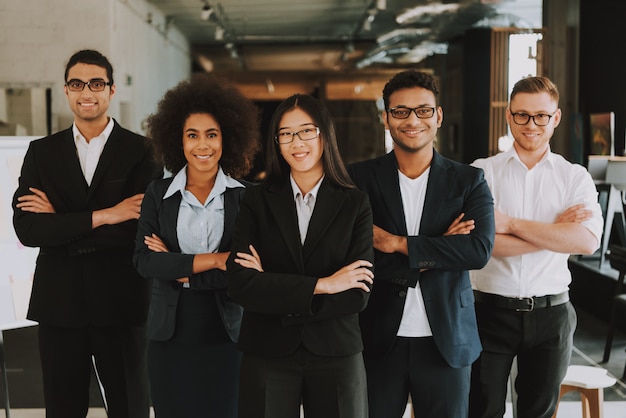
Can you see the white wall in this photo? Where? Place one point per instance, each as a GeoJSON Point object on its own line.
{"type": "Point", "coordinates": [38, 37]}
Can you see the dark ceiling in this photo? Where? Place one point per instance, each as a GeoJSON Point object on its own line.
{"type": "Point", "coordinates": [332, 35]}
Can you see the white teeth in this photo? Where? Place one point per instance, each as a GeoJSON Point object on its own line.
{"type": "Point", "coordinates": [299, 155]}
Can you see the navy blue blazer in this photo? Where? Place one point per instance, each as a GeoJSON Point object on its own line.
{"type": "Point", "coordinates": [452, 189]}
{"type": "Point", "coordinates": [280, 311]}
{"type": "Point", "coordinates": [160, 216]}
{"type": "Point", "coordinates": [84, 275]}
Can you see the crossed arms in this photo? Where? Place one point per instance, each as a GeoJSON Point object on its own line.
{"type": "Point", "coordinates": [515, 236]}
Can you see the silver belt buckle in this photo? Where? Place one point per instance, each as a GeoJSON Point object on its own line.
{"type": "Point", "coordinates": [530, 307]}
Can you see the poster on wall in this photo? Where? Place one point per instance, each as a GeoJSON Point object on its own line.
{"type": "Point", "coordinates": [17, 262]}
{"type": "Point", "coordinates": [602, 133]}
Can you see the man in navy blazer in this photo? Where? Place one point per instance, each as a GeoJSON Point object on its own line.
{"type": "Point", "coordinates": [433, 221]}
{"type": "Point", "coordinates": [78, 199]}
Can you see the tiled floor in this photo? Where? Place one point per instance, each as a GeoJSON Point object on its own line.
{"type": "Point", "coordinates": [26, 392]}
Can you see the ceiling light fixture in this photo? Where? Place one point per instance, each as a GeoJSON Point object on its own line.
{"type": "Point", "coordinates": [219, 33]}
{"type": "Point", "coordinates": [414, 13]}
{"type": "Point", "coordinates": [206, 12]}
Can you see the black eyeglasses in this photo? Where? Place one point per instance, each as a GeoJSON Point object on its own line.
{"type": "Point", "coordinates": [405, 112]}
{"type": "Point", "coordinates": [305, 134]}
{"type": "Point", "coordinates": [95, 84]}
{"type": "Point", "coordinates": [540, 119]}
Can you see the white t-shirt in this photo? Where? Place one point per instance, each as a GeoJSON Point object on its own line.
{"type": "Point", "coordinates": [89, 152]}
{"type": "Point", "coordinates": [414, 319]}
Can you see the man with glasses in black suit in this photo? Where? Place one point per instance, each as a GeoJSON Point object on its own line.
{"type": "Point", "coordinates": [78, 199]}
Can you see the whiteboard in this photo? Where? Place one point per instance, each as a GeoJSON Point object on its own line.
{"type": "Point", "coordinates": [17, 262]}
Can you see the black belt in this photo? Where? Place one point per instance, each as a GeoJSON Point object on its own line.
{"type": "Point", "coordinates": [521, 304]}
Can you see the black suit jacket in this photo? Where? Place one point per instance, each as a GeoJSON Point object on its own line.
{"type": "Point", "coordinates": [160, 217]}
{"type": "Point", "coordinates": [452, 189]}
{"type": "Point", "coordinates": [84, 275]}
{"type": "Point", "coordinates": [280, 311]}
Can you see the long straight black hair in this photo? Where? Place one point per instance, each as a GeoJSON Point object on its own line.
{"type": "Point", "coordinates": [277, 168]}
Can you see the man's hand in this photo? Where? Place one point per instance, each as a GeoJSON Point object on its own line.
{"type": "Point", "coordinates": [503, 222]}
{"type": "Point", "coordinates": [37, 202]}
{"type": "Point", "coordinates": [459, 227]}
{"type": "Point", "coordinates": [576, 214]}
{"type": "Point", "coordinates": [126, 210]}
{"type": "Point", "coordinates": [387, 242]}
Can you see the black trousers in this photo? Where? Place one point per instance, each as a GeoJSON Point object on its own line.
{"type": "Point", "coordinates": [327, 387]}
{"type": "Point", "coordinates": [415, 366]}
{"type": "Point", "coordinates": [541, 340]}
{"type": "Point", "coordinates": [120, 362]}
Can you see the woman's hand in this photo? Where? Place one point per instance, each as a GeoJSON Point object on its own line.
{"type": "Point", "coordinates": [251, 261]}
{"type": "Point", "coordinates": [355, 275]}
{"type": "Point", "coordinates": [157, 245]}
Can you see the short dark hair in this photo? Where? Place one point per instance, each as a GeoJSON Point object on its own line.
{"type": "Point", "coordinates": [277, 168]}
{"type": "Point", "coordinates": [406, 80]}
{"type": "Point", "coordinates": [538, 84]}
{"type": "Point", "coordinates": [237, 116]}
{"type": "Point", "coordinates": [89, 56]}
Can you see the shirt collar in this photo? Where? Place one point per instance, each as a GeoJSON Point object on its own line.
{"type": "Point", "coordinates": [106, 132]}
{"type": "Point", "coordinates": [296, 190]}
{"type": "Point", "coordinates": [222, 182]}
{"type": "Point", "coordinates": [548, 158]}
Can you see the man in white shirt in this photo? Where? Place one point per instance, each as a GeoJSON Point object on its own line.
{"type": "Point", "coordinates": [545, 209]}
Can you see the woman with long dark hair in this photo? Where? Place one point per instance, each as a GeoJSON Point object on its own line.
{"type": "Point", "coordinates": [300, 266]}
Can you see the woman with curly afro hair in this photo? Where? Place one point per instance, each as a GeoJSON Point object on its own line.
{"type": "Point", "coordinates": [206, 133]}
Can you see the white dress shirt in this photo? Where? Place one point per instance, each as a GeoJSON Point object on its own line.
{"type": "Point", "coordinates": [304, 205]}
{"type": "Point", "coordinates": [539, 194]}
{"type": "Point", "coordinates": [89, 152]}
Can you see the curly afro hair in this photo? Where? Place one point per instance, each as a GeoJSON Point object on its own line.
{"type": "Point", "coordinates": [237, 116]}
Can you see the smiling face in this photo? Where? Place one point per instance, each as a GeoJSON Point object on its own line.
{"type": "Point", "coordinates": [531, 140]}
{"type": "Point", "coordinates": [202, 144]}
{"type": "Point", "coordinates": [412, 135]}
{"type": "Point", "coordinates": [303, 157]}
{"type": "Point", "coordinates": [89, 106]}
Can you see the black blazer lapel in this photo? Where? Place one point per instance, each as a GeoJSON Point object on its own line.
{"type": "Point", "coordinates": [387, 177]}
{"type": "Point", "coordinates": [436, 194]}
{"type": "Point", "coordinates": [68, 158]}
{"type": "Point", "coordinates": [231, 210]}
{"type": "Point", "coordinates": [110, 151]}
{"type": "Point", "coordinates": [330, 198]}
{"type": "Point", "coordinates": [169, 218]}
{"type": "Point", "coordinates": [283, 208]}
